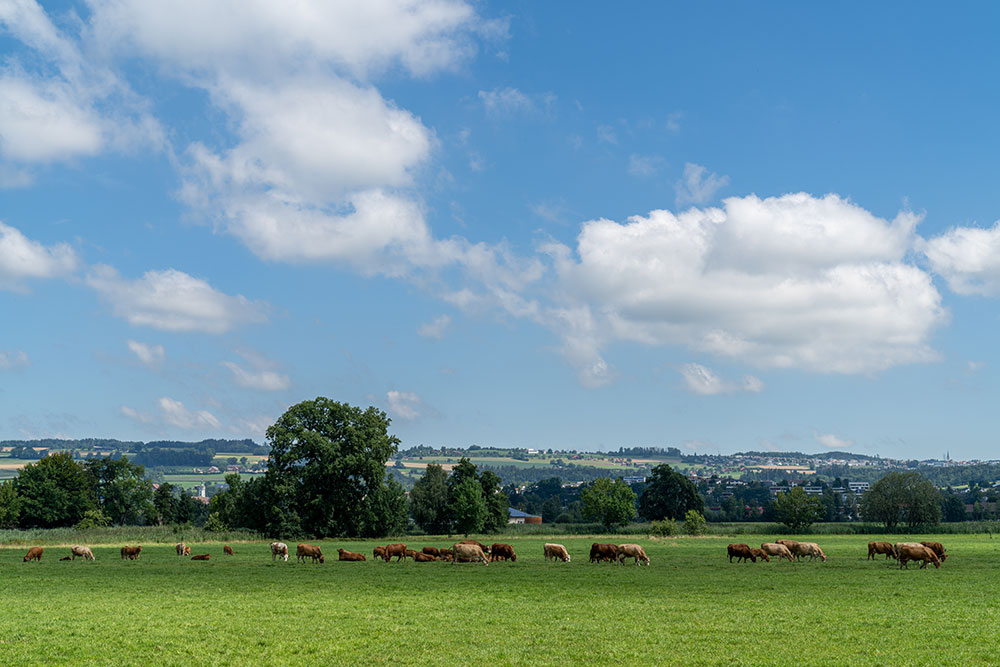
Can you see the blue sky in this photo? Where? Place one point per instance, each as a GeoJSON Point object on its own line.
{"type": "Point", "coordinates": [720, 227]}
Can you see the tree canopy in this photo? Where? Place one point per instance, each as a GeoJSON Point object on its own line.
{"type": "Point", "coordinates": [429, 501]}
{"type": "Point", "coordinates": [669, 495]}
{"type": "Point", "coordinates": [902, 498]}
{"type": "Point", "coordinates": [797, 510]}
{"type": "Point", "coordinates": [610, 503]}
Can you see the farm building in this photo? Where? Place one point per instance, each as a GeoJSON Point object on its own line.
{"type": "Point", "coordinates": [517, 516]}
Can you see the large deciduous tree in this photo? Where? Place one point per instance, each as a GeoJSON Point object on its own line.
{"type": "Point", "coordinates": [326, 470]}
{"type": "Point", "coordinates": [123, 493]}
{"type": "Point", "coordinates": [10, 505]}
{"type": "Point", "coordinates": [669, 495]}
{"type": "Point", "coordinates": [429, 501]}
{"type": "Point", "coordinates": [610, 503]}
{"type": "Point", "coordinates": [902, 498]}
{"type": "Point", "coordinates": [797, 510]}
{"type": "Point", "coordinates": [54, 492]}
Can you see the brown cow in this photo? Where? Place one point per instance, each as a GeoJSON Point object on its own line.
{"type": "Point", "coordinates": [409, 553]}
{"type": "Point", "coordinates": [82, 552]}
{"type": "Point", "coordinates": [379, 552]}
{"type": "Point", "coordinates": [132, 553]}
{"type": "Point", "coordinates": [465, 553]}
{"type": "Point", "coordinates": [937, 548]}
{"type": "Point", "coordinates": [343, 554]}
{"type": "Point", "coordinates": [309, 551]}
{"type": "Point", "coordinates": [553, 551]}
{"type": "Point", "coordinates": [447, 554]}
{"type": "Point", "coordinates": [792, 546]}
{"type": "Point", "coordinates": [760, 553]}
{"type": "Point", "coordinates": [741, 552]}
{"type": "Point", "coordinates": [65, 558]}
{"type": "Point", "coordinates": [227, 550]}
{"type": "Point", "coordinates": [632, 551]}
{"type": "Point", "coordinates": [502, 552]}
{"type": "Point", "coordinates": [201, 557]}
{"type": "Point", "coordinates": [183, 549]}
{"type": "Point", "coordinates": [909, 551]}
{"type": "Point", "coordinates": [398, 550]}
{"type": "Point", "coordinates": [425, 558]}
{"type": "Point", "coordinates": [599, 552]}
{"type": "Point", "coordinates": [775, 549]}
{"type": "Point", "coordinates": [34, 553]}
{"type": "Point", "coordinates": [432, 551]}
{"type": "Point", "coordinates": [875, 548]}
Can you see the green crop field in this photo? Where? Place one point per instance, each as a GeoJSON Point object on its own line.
{"type": "Point", "coordinates": [690, 606]}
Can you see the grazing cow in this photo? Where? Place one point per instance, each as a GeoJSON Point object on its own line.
{"type": "Point", "coordinates": [486, 549]}
{"type": "Point", "coordinates": [398, 550]}
{"type": "Point", "coordinates": [342, 554]}
{"type": "Point", "coordinates": [425, 558]}
{"type": "Point", "coordinates": [937, 548]}
{"type": "Point", "coordinates": [632, 551]}
{"type": "Point", "coordinates": [34, 553]}
{"type": "Point", "coordinates": [65, 558]}
{"type": "Point", "coordinates": [279, 549]}
{"type": "Point", "coordinates": [599, 552]}
{"type": "Point", "coordinates": [741, 552]}
{"type": "Point", "coordinates": [227, 550]}
{"type": "Point", "coordinates": [82, 552]}
{"type": "Point", "coordinates": [379, 552]}
{"type": "Point", "coordinates": [502, 552]}
{"type": "Point", "coordinates": [553, 551]}
{"type": "Point", "coordinates": [775, 549]}
{"type": "Point", "coordinates": [875, 548]}
{"type": "Point", "coordinates": [132, 553]}
{"type": "Point", "coordinates": [181, 548]}
{"type": "Point", "coordinates": [465, 553]}
{"type": "Point", "coordinates": [432, 551]}
{"type": "Point", "coordinates": [792, 546]}
{"type": "Point", "coordinates": [409, 553]}
{"type": "Point", "coordinates": [201, 557]}
{"type": "Point", "coordinates": [909, 551]}
{"type": "Point", "coordinates": [810, 549]}
{"type": "Point", "coordinates": [447, 554]}
{"type": "Point", "coordinates": [760, 553]}
{"type": "Point", "coordinates": [309, 551]}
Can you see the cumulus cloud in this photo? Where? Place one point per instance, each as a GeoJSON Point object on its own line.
{"type": "Point", "coordinates": [703, 381]}
{"type": "Point", "coordinates": [831, 441]}
{"type": "Point", "coordinates": [262, 379]}
{"type": "Point", "coordinates": [149, 355]}
{"type": "Point", "coordinates": [404, 405]}
{"type": "Point", "coordinates": [12, 360]}
{"type": "Point", "coordinates": [172, 300]}
{"type": "Point", "coordinates": [968, 258]}
{"type": "Point", "coordinates": [22, 258]}
{"type": "Point", "coordinates": [788, 282]}
{"type": "Point", "coordinates": [697, 185]}
{"type": "Point", "coordinates": [174, 413]}
{"type": "Point", "coordinates": [436, 328]}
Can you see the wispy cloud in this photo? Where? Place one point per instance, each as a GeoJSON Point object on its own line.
{"type": "Point", "coordinates": [703, 381]}
{"type": "Point", "coordinates": [12, 360]}
{"type": "Point", "coordinates": [697, 185]}
{"type": "Point", "coordinates": [435, 329]}
{"type": "Point", "coordinates": [831, 441]}
{"type": "Point", "coordinates": [151, 356]}
{"type": "Point", "coordinates": [404, 405]}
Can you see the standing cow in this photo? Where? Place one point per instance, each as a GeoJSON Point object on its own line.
{"type": "Point", "coordinates": [465, 553]}
{"type": "Point", "coordinates": [82, 552]}
{"type": "Point", "coordinates": [183, 549]}
{"type": "Point", "coordinates": [632, 551]}
{"type": "Point", "coordinates": [132, 553]}
{"type": "Point", "coordinates": [34, 553]}
{"type": "Point", "coordinates": [778, 550]}
{"type": "Point", "coordinates": [741, 552]}
{"type": "Point", "coordinates": [309, 551]}
{"type": "Point", "coordinates": [502, 552]}
{"type": "Point", "coordinates": [553, 551]}
{"type": "Point", "coordinates": [937, 548]}
{"type": "Point", "coordinates": [875, 548]}
{"type": "Point", "coordinates": [279, 549]}
{"type": "Point", "coordinates": [227, 550]}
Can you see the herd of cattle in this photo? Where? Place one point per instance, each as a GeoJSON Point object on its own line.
{"type": "Point", "coordinates": [471, 551]}
{"type": "Point", "coordinates": [904, 552]}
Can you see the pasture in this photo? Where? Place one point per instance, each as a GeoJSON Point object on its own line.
{"type": "Point", "coordinates": [690, 606]}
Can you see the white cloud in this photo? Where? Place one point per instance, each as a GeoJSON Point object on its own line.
{"type": "Point", "coordinates": [831, 441]}
{"type": "Point", "coordinates": [174, 413]}
{"type": "Point", "coordinates": [607, 134]}
{"type": "Point", "coordinates": [137, 415]}
{"type": "Point", "coordinates": [789, 282]}
{"type": "Point", "coordinates": [505, 101]}
{"type": "Point", "coordinates": [968, 258]}
{"type": "Point", "coordinates": [404, 405]}
{"type": "Point", "coordinates": [44, 122]}
{"type": "Point", "coordinates": [644, 165]}
{"type": "Point", "coordinates": [697, 186]}
{"type": "Point", "coordinates": [436, 328]}
{"type": "Point", "coordinates": [703, 381]}
{"type": "Point", "coordinates": [172, 300]}
{"type": "Point", "coordinates": [12, 360]}
{"type": "Point", "coordinates": [150, 355]}
{"type": "Point", "coordinates": [21, 258]}
{"type": "Point", "coordinates": [262, 379]}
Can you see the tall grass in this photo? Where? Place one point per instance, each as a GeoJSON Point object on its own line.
{"type": "Point", "coordinates": [121, 535]}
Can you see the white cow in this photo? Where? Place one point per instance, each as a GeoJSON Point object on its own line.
{"type": "Point", "coordinates": [553, 551]}
{"type": "Point", "coordinates": [83, 552]}
{"type": "Point", "coordinates": [279, 549]}
{"type": "Point", "coordinates": [469, 552]}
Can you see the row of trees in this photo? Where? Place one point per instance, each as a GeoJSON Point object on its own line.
{"type": "Point", "coordinates": [467, 501]}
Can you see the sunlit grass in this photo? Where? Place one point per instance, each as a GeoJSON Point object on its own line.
{"type": "Point", "coordinates": [690, 606]}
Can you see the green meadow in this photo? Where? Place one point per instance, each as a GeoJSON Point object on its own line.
{"type": "Point", "coordinates": [690, 606]}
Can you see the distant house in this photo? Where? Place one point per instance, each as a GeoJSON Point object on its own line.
{"type": "Point", "coordinates": [634, 480]}
{"type": "Point", "coordinates": [517, 516]}
{"type": "Point", "coordinates": [858, 487]}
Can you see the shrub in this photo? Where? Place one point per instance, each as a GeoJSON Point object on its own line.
{"type": "Point", "coordinates": [215, 524]}
{"type": "Point", "coordinates": [664, 528]}
{"type": "Point", "coordinates": [694, 523]}
{"type": "Point", "coordinates": [92, 519]}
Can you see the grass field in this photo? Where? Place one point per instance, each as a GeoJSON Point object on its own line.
{"type": "Point", "coordinates": [690, 606]}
